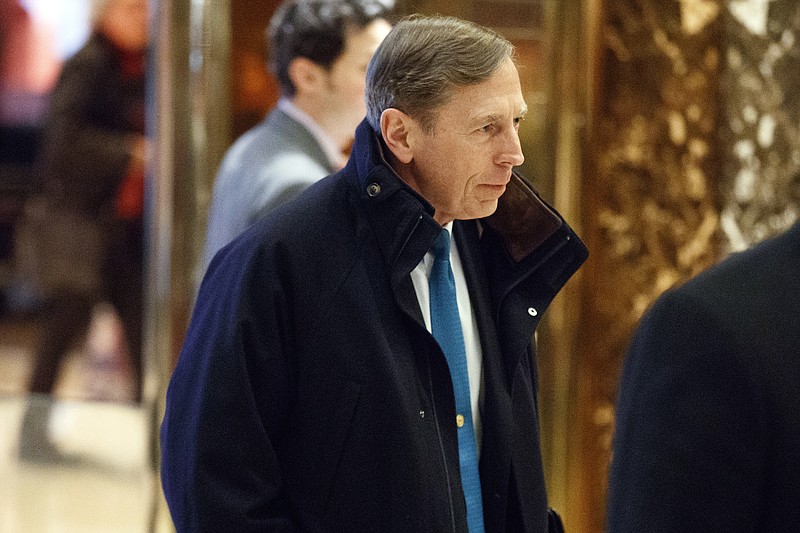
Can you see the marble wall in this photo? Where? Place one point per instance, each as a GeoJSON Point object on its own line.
{"type": "Point", "coordinates": [695, 152]}
{"type": "Point", "coordinates": [760, 120]}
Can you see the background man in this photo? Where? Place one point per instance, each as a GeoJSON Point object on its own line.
{"type": "Point", "coordinates": [349, 366]}
{"type": "Point", "coordinates": [708, 432]}
{"type": "Point", "coordinates": [319, 51]}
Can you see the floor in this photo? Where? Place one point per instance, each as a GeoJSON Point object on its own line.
{"type": "Point", "coordinates": [109, 486]}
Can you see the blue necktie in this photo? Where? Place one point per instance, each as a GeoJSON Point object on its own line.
{"type": "Point", "coordinates": [446, 329]}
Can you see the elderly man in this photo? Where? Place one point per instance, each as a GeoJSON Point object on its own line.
{"type": "Point", "coordinates": [349, 366]}
{"type": "Point", "coordinates": [319, 52]}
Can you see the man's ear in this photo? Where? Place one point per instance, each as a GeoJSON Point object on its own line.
{"type": "Point", "coordinates": [306, 75]}
{"type": "Point", "coordinates": [398, 130]}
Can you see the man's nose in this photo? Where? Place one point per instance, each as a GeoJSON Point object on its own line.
{"type": "Point", "coordinates": [511, 151]}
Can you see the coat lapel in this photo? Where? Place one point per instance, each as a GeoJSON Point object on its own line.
{"type": "Point", "coordinates": [496, 406]}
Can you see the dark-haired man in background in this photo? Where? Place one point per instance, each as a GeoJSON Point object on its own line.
{"type": "Point", "coordinates": [319, 52]}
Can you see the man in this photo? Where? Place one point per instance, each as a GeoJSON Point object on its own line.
{"type": "Point", "coordinates": [708, 432]}
{"type": "Point", "coordinates": [319, 53]}
{"type": "Point", "coordinates": [321, 386]}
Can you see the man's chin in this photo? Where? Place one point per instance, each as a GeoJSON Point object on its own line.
{"type": "Point", "coordinates": [484, 209]}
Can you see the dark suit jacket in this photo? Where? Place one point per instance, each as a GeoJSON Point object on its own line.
{"type": "Point", "coordinates": [708, 417]}
{"type": "Point", "coordinates": [309, 395]}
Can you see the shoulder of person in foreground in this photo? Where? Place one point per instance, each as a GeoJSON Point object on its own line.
{"type": "Point", "coordinates": [691, 427]}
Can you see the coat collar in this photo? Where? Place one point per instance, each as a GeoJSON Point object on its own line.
{"type": "Point", "coordinates": [523, 220]}
{"type": "Point", "coordinates": [403, 220]}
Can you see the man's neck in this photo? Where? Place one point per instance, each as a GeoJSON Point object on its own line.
{"type": "Point", "coordinates": [329, 144]}
{"type": "Point", "coordinates": [315, 110]}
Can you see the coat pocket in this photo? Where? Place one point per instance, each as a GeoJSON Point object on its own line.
{"type": "Point", "coordinates": [319, 436]}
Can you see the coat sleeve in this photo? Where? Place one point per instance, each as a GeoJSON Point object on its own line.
{"type": "Point", "coordinates": [226, 405]}
{"type": "Point", "coordinates": [688, 447]}
{"type": "Point", "coordinates": [88, 157]}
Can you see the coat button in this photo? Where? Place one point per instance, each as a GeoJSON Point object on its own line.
{"type": "Point", "coordinates": [532, 311]}
{"type": "Point", "coordinates": [459, 420]}
{"type": "Point", "coordinates": [373, 190]}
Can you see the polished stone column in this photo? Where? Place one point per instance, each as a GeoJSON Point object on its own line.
{"type": "Point", "coordinates": [695, 152]}
{"type": "Point", "coordinates": [651, 202]}
{"type": "Point", "coordinates": [189, 123]}
{"type": "Point", "coordinates": [190, 126]}
{"type": "Point", "coordinates": [760, 130]}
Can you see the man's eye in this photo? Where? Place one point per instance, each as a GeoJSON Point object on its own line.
{"type": "Point", "coordinates": [487, 128]}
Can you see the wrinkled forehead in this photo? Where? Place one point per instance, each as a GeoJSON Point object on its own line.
{"type": "Point", "coordinates": [493, 98]}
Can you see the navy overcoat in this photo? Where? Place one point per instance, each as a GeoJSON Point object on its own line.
{"type": "Point", "coordinates": [309, 395]}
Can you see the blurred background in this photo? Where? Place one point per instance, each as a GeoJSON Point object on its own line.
{"type": "Point", "coordinates": [664, 130]}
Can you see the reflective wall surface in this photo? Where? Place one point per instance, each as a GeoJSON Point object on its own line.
{"type": "Point", "coordinates": [694, 154]}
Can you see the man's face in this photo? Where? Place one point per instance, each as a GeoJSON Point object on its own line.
{"type": "Point", "coordinates": [346, 78]}
{"type": "Point", "coordinates": [462, 166]}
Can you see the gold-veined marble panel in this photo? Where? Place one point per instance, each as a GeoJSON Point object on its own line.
{"type": "Point", "coordinates": [653, 204]}
{"type": "Point", "coordinates": [760, 130]}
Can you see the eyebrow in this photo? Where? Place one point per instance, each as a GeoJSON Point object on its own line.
{"type": "Point", "coordinates": [491, 117]}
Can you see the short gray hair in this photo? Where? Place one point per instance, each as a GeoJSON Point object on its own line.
{"type": "Point", "coordinates": [423, 59]}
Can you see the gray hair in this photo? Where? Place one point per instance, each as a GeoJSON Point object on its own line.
{"type": "Point", "coordinates": [423, 58]}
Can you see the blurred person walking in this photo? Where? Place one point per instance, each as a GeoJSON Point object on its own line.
{"type": "Point", "coordinates": [90, 217]}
